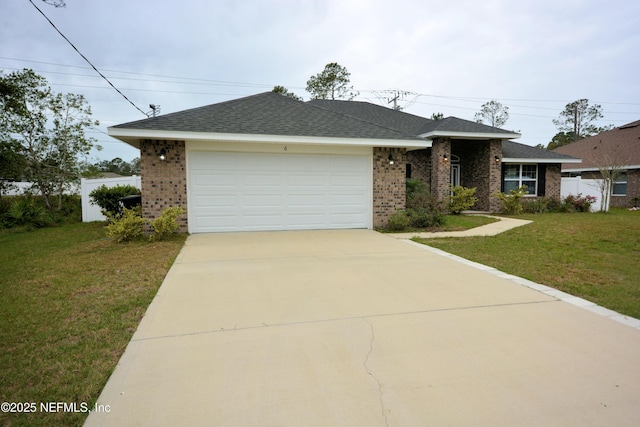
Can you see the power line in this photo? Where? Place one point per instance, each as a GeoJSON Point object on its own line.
{"type": "Point", "coordinates": [85, 58]}
{"type": "Point", "coordinates": [186, 80]}
{"type": "Point", "coordinates": [197, 81]}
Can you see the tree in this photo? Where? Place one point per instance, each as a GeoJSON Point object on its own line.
{"type": "Point", "coordinates": [493, 113]}
{"type": "Point", "coordinates": [437, 116]}
{"type": "Point", "coordinates": [331, 83]}
{"type": "Point", "coordinates": [116, 165]}
{"type": "Point", "coordinates": [284, 91]}
{"type": "Point", "coordinates": [12, 164]}
{"type": "Point", "coordinates": [48, 128]}
{"type": "Point", "coordinates": [610, 172]}
{"type": "Point", "coordinates": [578, 119]}
{"type": "Point", "coordinates": [560, 139]}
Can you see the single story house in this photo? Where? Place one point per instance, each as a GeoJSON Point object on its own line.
{"type": "Point", "coordinates": [269, 162]}
{"type": "Point", "coordinates": [617, 148]}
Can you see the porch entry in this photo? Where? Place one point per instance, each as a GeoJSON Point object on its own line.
{"type": "Point", "coordinates": [455, 170]}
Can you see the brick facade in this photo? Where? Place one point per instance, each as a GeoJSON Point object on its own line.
{"type": "Point", "coordinates": [633, 191]}
{"type": "Point", "coordinates": [420, 161]}
{"type": "Point", "coordinates": [441, 168]}
{"type": "Point", "coordinates": [164, 183]}
{"type": "Point", "coordinates": [389, 184]}
{"type": "Point", "coordinates": [633, 188]}
{"type": "Point", "coordinates": [553, 180]}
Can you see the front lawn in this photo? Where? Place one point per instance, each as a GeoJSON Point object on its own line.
{"type": "Point", "coordinates": [451, 223]}
{"type": "Point", "coordinates": [71, 300]}
{"type": "Point", "coordinates": [595, 256]}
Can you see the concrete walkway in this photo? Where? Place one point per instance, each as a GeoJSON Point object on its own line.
{"type": "Point", "coordinates": [354, 328]}
{"type": "Point", "coordinates": [492, 229]}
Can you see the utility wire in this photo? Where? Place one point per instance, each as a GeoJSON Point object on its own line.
{"type": "Point", "coordinates": [85, 58]}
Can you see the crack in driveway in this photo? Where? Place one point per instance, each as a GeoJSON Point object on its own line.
{"type": "Point", "coordinates": [371, 374]}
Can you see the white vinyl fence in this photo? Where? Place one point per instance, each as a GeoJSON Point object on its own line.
{"type": "Point", "coordinates": [586, 187]}
{"type": "Point", "coordinates": [92, 212]}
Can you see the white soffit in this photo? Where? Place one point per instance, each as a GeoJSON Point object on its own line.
{"type": "Point", "coordinates": [133, 136]}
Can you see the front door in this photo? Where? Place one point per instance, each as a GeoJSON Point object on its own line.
{"type": "Point", "coordinates": [455, 174]}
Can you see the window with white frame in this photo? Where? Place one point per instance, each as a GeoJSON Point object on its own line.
{"type": "Point", "coordinates": [620, 185]}
{"type": "Point", "coordinates": [518, 175]}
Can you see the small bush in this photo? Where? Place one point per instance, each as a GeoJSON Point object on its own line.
{"type": "Point", "coordinates": [512, 202]}
{"type": "Point", "coordinates": [127, 226]}
{"type": "Point", "coordinates": [425, 218]}
{"type": "Point", "coordinates": [415, 186]}
{"type": "Point", "coordinates": [108, 198]}
{"type": "Point", "coordinates": [167, 223]}
{"type": "Point", "coordinates": [24, 212]}
{"type": "Point", "coordinates": [399, 221]}
{"type": "Point", "coordinates": [418, 195]}
{"type": "Point", "coordinates": [423, 210]}
{"type": "Point", "coordinates": [70, 210]}
{"type": "Point", "coordinates": [461, 199]}
{"type": "Point", "coordinates": [578, 203]}
{"type": "Point", "coordinates": [537, 206]}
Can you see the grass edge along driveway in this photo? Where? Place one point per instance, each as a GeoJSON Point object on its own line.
{"type": "Point", "coordinates": [71, 300]}
{"type": "Point", "coordinates": [595, 256]}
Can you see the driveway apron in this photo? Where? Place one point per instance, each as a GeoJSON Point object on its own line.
{"type": "Point", "coordinates": [355, 328]}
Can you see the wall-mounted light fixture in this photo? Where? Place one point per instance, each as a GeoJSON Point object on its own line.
{"type": "Point", "coordinates": [391, 161]}
{"type": "Point", "coordinates": [162, 155]}
{"type": "Point", "coordinates": [445, 156]}
{"type": "Point", "coordinates": [497, 159]}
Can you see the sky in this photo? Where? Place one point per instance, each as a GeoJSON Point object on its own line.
{"type": "Point", "coordinates": [446, 57]}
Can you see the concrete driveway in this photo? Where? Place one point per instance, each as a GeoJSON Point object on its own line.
{"type": "Point", "coordinates": [355, 328]}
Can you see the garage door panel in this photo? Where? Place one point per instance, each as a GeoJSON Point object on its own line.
{"type": "Point", "coordinates": [249, 191]}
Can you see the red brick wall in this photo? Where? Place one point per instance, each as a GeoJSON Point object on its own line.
{"type": "Point", "coordinates": [389, 184]}
{"type": "Point", "coordinates": [420, 161]}
{"type": "Point", "coordinates": [164, 183]}
{"type": "Point", "coordinates": [440, 168]}
{"type": "Point", "coordinates": [553, 180]}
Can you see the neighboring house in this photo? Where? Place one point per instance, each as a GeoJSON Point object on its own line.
{"type": "Point", "coordinates": [618, 148]}
{"type": "Point", "coordinates": [269, 162]}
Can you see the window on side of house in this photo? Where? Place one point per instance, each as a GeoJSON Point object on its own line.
{"type": "Point", "coordinates": [620, 185]}
{"type": "Point", "coordinates": [518, 175]}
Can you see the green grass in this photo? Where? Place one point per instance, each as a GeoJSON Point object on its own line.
{"type": "Point", "coordinates": [594, 256]}
{"type": "Point", "coordinates": [464, 222]}
{"type": "Point", "coordinates": [452, 223]}
{"type": "Point", "coordinates": [71, 300]}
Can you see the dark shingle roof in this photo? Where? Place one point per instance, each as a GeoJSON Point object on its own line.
{"type": "Point", "coordinates": [375, 114]}
{"type": "Point", "coordinates": [514, 150]}
{"type": "Point", "coordinates": [616, 147]}
{"type": "Point", "coordinates": [454, 124]}
{"type": "Point", "coordinates": [269, 114]}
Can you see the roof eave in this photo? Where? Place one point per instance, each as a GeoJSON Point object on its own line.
{"type": "Point", "coordinates": [596, 169]}
{"type": "Point", "coordinates": [470, 135]}
{"type": "Point", "coordinates": [133, 137]}
{"type": "Point", "coordinates": [538, 160]}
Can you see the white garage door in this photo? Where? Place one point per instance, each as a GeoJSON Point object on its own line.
{"type": "Point", "coordinates": [260, 191]}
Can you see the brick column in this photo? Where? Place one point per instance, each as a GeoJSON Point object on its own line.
{"type": "Point", "coordinates": [164, 182]}
{"type": "Point", "coordinates": [441, 168]}
{"type": "Point", "coordinates": [389, 184]}
{"type": "Point", "coordinates": [552, 181]}
{"type": "Point", "coordinates": [495, 174]}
